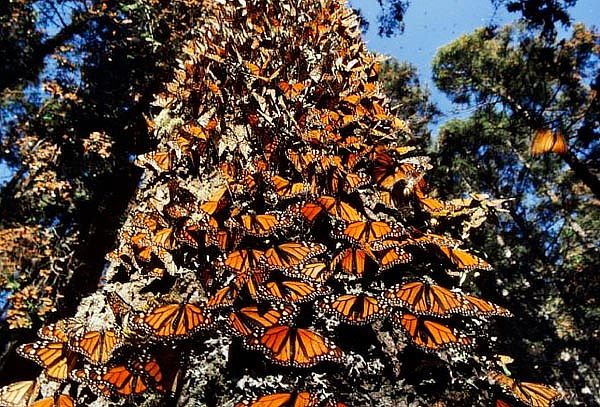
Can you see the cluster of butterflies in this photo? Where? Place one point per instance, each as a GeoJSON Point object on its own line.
{"type": "Point", "coordinates": [282, 204]}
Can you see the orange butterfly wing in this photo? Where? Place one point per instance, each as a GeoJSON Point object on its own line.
{"type": "Point", "coordinates": [339, 209]}
{"type": "Point", "coordinates": [297, 347]}
{"type": "Point", "coordinates": [465, 260]}
{"type": "Point", "coordinates": [288, 255]}
{"type": "Point", "coordinates": [356, 309]}
{"type": "Point", "coordinates": [482, 307]}
{"type": "Point", "coordinates": [174, 321]}
{"type": "Point", "coordinates": [532, 394]}
{"type": "Point", "coordinates": [223, 297]}
{"type": "Point", "coordinates": [366, 232]}
{"type": "Point", "coordinates": [291, 291]}
{"type": "Point", "coordinates": [303, 399]}
{"type": "Point", "coordinates": [63, 400]}
{"type": "Point", "coordinates": [97, 346]}
{"type": "Point", "coordinates": [429, 335]}
{"type": "Point", "coordinates": [54, 357]}
{"type": "Point", "coordinates": [426, 299]}
{"type": "Point", "coordinates": [316, 271]}
{"type": "Point", "coordinates": [354, 261]}
{"type": "Point", "coordinates": [244, 321]}
{"type": "Point", "coordinates": [242, 261]}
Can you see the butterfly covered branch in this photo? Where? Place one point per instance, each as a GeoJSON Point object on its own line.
{"type": "Point", "coordinates": [280, 210]}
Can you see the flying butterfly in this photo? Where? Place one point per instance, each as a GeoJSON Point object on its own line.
{"type": "Point", "coordinates": [173, 321]}
{"type": "Point", "coordinates": [286, 256]}
{"type": "Point", "coordinates": [56, 359]}
{"type": "Point", "coordinates": [245, 321]}
{"type": "Point", "coordinates": [19, 394]}
{"type": "Point", "coordinates": [548, 141]}
{"type": "Point", "coordinates": [301, 399]}
{"type": "Point", "coordinates": [429, 335]}
{"type": "Point", "coordinates": [290, 346]}
{"type": "Point", "coordinates": [355, 309]}
{"type": "Point", "coordinates": [532, 394]}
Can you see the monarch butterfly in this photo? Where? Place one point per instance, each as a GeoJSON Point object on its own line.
{"type": "Point", "coordinates": [481, 307]}
{"type": "Point", "coordinates": [242, 261]}
{"type": "Point", "coordinates": [54, 357]}
{"type": "Point", "coordinates": [426, 299]}
{"type": "Point", "coordinates": [289, 346]}
{"type": "Point", "coordinates": [416, 239]}
{"type": "Point", "coordinates": [387, 172]}
{"type": "Point", "coordinates": [291, 291]}
{"type": "Point", "coordinates": [287, 189]}
{"type": "Point", "coordinates": [261, 225]}
{"type": "Point", "coordinates": [159, 161]}
{"type": "Point", "coordinates": [500, 403]}
{"type": "Point", "coordinates": [302, 399]}
{"type": "Point", "coordinates": [224, 297]}
{"type": "Point", "coordinates": [173, 321]}
{"type": "Point", "coordinates": [119, 307]}
{"type": "Point", "coordinates": [532, 394]}
{"type": "Point", "coordinates": [465, 260]}
{"type": "Point", "coordinates": [61, 400]}
{"type": "Point", "coordinates": [309, 210]}
{"type": "Point", "coordinates": [244, 321]}
{"type": "Point", "coordinates": [392, 257]}
{"type": "Point", "coordinates": [317, 271]}
{"type": "Point", "coordinates": [340, 209]}
{"type": "Point", "coordinates": [349, 182]}
{"type": "Point", "coordinates": [548, 141]}
{"type": "Point", "coordinates": [223, 239]}
{"type": "Point", "coordinates": [356, 309]}
{"type": "Point", "coordinates": [288, 255]}
{"type": "Point", "coordinates": [19, 394]}
{"type": "Point", "coordinates": [96, 346]}
{"type": "Point", "coordinates": [429, 335]}
{"type": "Point", "coordinates": [60, 330]}
{"type": "Point", "coordinates": [217, 201]}
{"type": "Point", "coordinates": [355, 261]}
{"type": "Point", "coordinates": [366, 232]}
{"type": "Point", "coordinates": [132, 378]}
{"type": "Point", "coordinates": [301, 161]}
{"type": "Point", "coordinates": [291, 90]}
{"type": "Point", "coordinates": [251, 280]}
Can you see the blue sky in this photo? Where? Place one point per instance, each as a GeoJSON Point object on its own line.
{"type": "Point", "coordinates": [431, 24]}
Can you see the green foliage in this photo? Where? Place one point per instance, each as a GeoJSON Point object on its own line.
{"type": "Point", "coordinates": [546, 247]}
